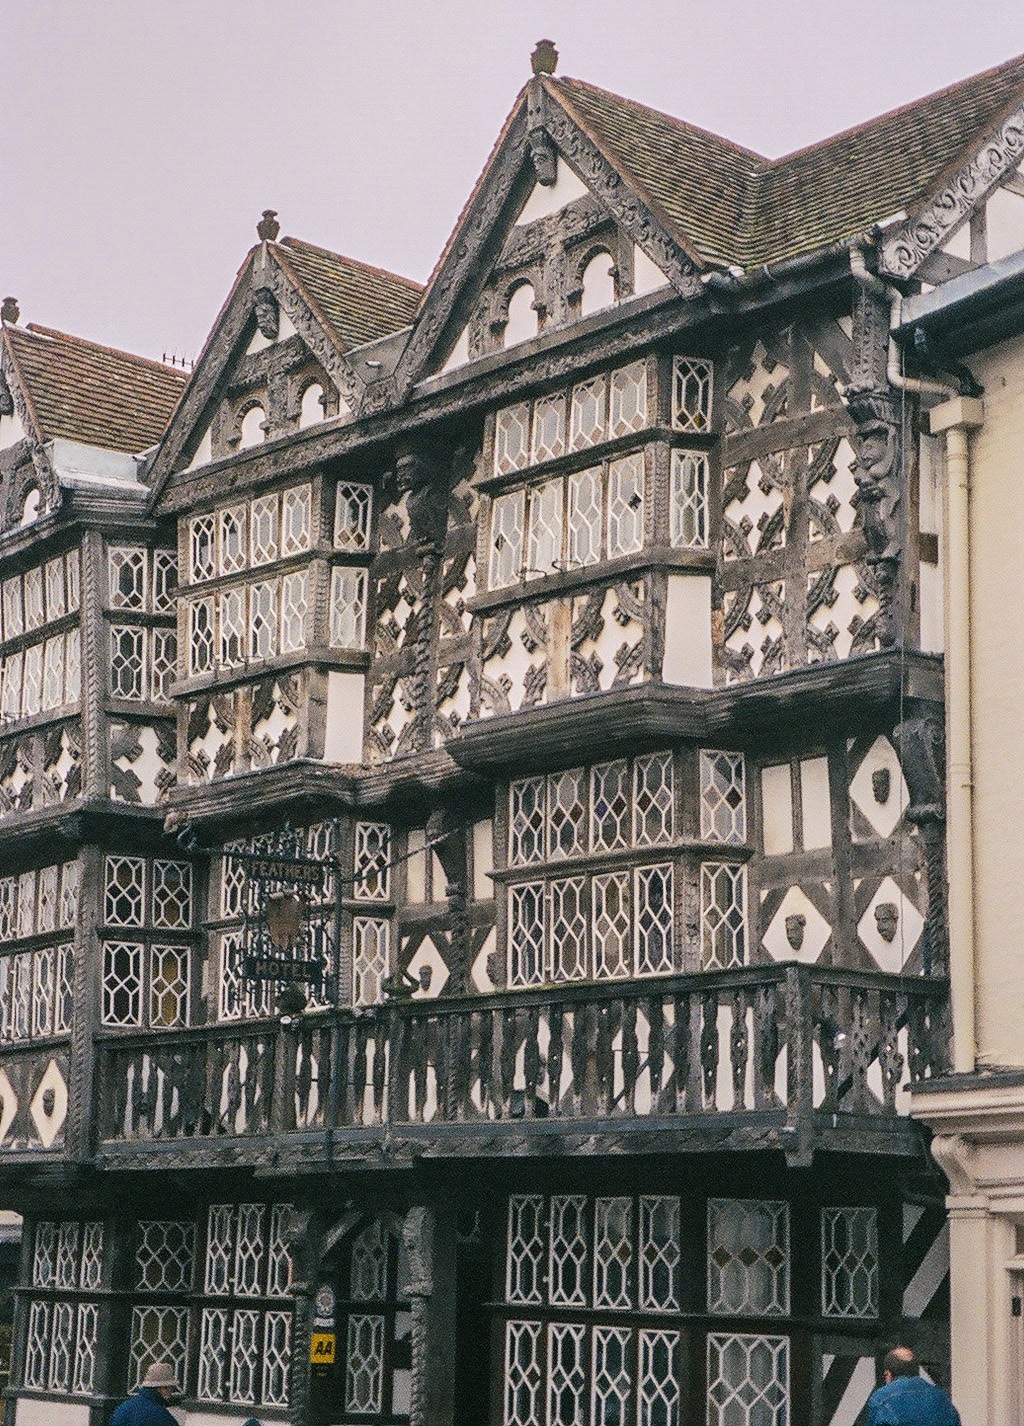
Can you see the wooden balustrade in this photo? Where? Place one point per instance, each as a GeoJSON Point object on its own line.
{"type": "Point", "coordinates": [788, 1041]}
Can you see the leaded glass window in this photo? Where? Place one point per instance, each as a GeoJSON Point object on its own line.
{"type": "Point", "coordinates": [202, 548]}
{"type": "Point", "coordinates": [748, 1257]}
{"type": "Point", "coordinates": [127, 662]}
{"type": "Point", "coordinates": [589, 400]}
{"type": "Point", "coordinates": [294, 610]}
{"type": "Point", "coordinates": [263, 619]}
{"type": "Point", "coordinates": [691, 394]}
{"type": "Point", "coordinates": [849, 1262]}
{"type": "Point", "coordinates": [507, 522]}
{"type": "Point", "coordinates": [348, 608]}
{"type": "Point", "coordinates": [200, 635]}
{"type": "Point", "coordinates": [628, 399]}
{"type": "Point", "coordinates": [548, 428]}
{"type": "Point", "coordinates": [127, 569]}
{"type": "Point", "coordinates": [233, 542]}
{"type": "Point", "coordinates": [545, 543]}
{"type": "Point", "coordinates": [722, 797]}
{"type": "Point", "coordinates": [372, 861]}
{"type": "Point", "coordinates": [688, 500]}
{"type": "Point", "coordinates": [296, 514]}
{"type": "Point", "coordinates": [353, 505]}
{"type": "Point", "coordinates": [585, 517]}
{"type": "Point", "coordinates": [626, 505]}
{"type": "Point", "coordinates": [723, 915]}
{"type": "Point", "coordinates": [748, 1380]}
{"type": "Point", "coordinates": [370, 958]}
{"type": "Point", "coordinates": [232, 627]}
{"type": "Point", "coordinates": [512, 439]}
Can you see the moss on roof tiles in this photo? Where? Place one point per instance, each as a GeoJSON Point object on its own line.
{"type": "Point", "coordinates": [361, 303]}
{"type": "Point", "coordinates": [728, 204]}
{"type": "Point", "coordinates": [93, 394]}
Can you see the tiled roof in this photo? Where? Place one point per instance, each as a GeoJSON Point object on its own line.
{"type": "Point", "coordinates": [360, 303]}
{"type": "Point", "coordinates": [727, 204]}
{"type": "Point", "coordinates": [91, 393]}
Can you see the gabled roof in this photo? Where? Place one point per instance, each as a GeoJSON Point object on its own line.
{"type": "Point", "coordinates": [730, 205]}
{"type": "Point", "coordinates": [360, 303]}
{"type": "Point", "coordinates": [90, 393]}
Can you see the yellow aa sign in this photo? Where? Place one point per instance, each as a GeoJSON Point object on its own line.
{"type": "Point", "coordinates": [321, 1348]}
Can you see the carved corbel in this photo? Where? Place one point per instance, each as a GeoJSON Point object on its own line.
{"type": "Point", "coordinates": [878, 497]}
{"type": "Point", "coordinates": [267, 313]}
{"type": "Point", "coordinates": [543, 156]}
{"type": "Point", "coordinates": [958, 1161]}
{"type": "Point", "coordinates": [921, 745]}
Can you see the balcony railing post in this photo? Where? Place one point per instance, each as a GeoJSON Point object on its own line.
{"type": "Point", "coordinates": [798, 1132]}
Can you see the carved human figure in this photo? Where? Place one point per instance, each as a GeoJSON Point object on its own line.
{"type": "Point", "coordinates": [428, 499]}
{"type": "Point", "coordinates": [874, 472]}
{"type": "Point", "coordinates": [887, 920]}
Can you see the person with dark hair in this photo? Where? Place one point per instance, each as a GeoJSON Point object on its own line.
{"type": "Point", "coordinates": [906, 1398]}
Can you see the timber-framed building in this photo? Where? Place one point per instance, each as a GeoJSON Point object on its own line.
{"type": "Point", "coordinates": [546, 666]}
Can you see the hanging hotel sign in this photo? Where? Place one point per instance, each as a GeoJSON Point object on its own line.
{"type": "Point", "coordinates": [288, 902]}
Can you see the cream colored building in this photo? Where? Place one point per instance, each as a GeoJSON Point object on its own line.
{"type": "Point", "coordinates": [977, 1113]}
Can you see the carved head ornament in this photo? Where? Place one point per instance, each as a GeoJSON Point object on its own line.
{"type": "Point", "coordinates": [887, 919]}
{"type": "Point", "coordinates": [796, 925]}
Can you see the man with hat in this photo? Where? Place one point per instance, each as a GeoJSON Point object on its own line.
{"type": "Point", "coordinates": [148, 1406]}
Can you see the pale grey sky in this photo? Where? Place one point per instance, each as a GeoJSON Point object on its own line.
{"type": "Point", "coordinates": [139, 139]}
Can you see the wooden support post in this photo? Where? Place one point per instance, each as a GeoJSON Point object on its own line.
{"type": "Point", "coordinates": [430, 1248]}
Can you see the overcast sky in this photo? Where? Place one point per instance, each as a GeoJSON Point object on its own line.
{"type": "Point", "coordinates": [140, 139]}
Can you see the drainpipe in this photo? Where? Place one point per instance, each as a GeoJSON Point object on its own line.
{"type": "Point", "coordinates": [954, 419]}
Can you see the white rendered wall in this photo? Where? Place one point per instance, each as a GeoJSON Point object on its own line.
{"type": "Point", "coordinates": [688, 631]}
{"type": "Point", "coordinates": [522, 316]}
{"type": "Point", "coordinates": [39, 1412]}
{"type": "Point", "coordinates": [542, 201]}
{"type": "Point", "coordinates": [11, 431]}
{"type": "Point", "coordinates": [344, 739]}
{"type": "Point", "coordinates": [647, 276]}
{"type": "Point", "coordinates": [997, 633]}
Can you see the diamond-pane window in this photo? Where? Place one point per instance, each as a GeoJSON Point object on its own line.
{"type": "Point", "coordinates": [35, 614]}
{"type": "Point", "coordinates": [568, 928]}
{"type": "Point", "coordinates": [169, 985]}
{"type": "Point", "coordinates": [127, 570]}
{"type": "Point", "coordinates": [37, 1345]}
{"type": "Point", "coordinates": [370, 957]}
{"type": "Point", "coordinates": [548, 428]}
{"type": "Point", "coordinates": [44, 1255]}
{"type": "Point", "coordinates": [626, 505]}
{"type": "Point", "coordinates": [64, 990]}
{"type": "Point", "coordinates": [27, 903]}
{"type": "Point", "coordinates": [127, 661]}
{"type": "Point", "coordinates": [164, 1257]}
{"type": "Point", "coordinates": [165, 662]}
{"type": "Point", "coordinates": [523, 1397]}
{"type": "Point", "coordinates": [122, 983]}
{"type": "Point", "coordinates": [507, 521]}
{"type": "Point", "coordinates": [279, 1262]}
{"type": "Point", "coordinates": [72, 666]}
{"type": "Point", "coordinates": [233, 550]}
{"type": "Point", "coordinates": [526, 934]}
{"type": "Point", "coordinates": [658, 1385]}
{"type": "Point", "coordinates": [165, 578]}
{"type": "Point", "coordinates": [352, 509]}
{"type": "Point", "coordinates": [72, 579]}
{"type": "Point", "coordinates": [653, 906]}
{"type": "Point", "coordinates": [69, 893]}
{"type": "Point", "coordinates": [67, 1255]}
{"type": "Point", "coordinates": [348, 608]}
{"type": "Point", "coordinates": [584, 518]}
{"type": "Point", "coordinates": [567, 813]}
{"type": "Point", "coordinates": [611, 926]}
{"type": "Point", "coordinates": [545, 546]}
{"type": "Point", "coordinates": [612, 1376]}
{"type": "Point", "coordinates": [369, 1276]}
{"type": "Point", "coordinates": [296, 515]}
{"type": "Point", "coordinates": [691, 394]}
{"type": "Point", "coordinates": [42, 992]}
{"type": "Point", "coordinates": [364, 1362]}
{"type": "Point", "coordinates": [512, 439]}
{"type": "Point", "coordinates": [628, 399]}
{"type": "Point", "coordinates": [722, 801]}
{"type": "Point", "coordinates": [32, 688]}
{"type": "Point", "coordinates": [10, 698]}
{"type": "Point", "coordinates": [611, 805]}
{"type": "Point", "coordinates": [53, 673]}
{"type": "Point", "coordinates": [748, 1380]}
{"type": "Point", "coordinates": [654, 800]}
{"type": "Point", "coordinates": [723, 915]}
{"type": "Point", "coordinates": [263, 619]}
{"type": "Point", "coordinates": [200, 636]}
{"type": "Point", "coordinates": [56, 604]}
{"type": "Point", "coordinates": [849, 1262]}
{"type": "Point", "coordinates": [277, 1341]}
{"type": "Point", "coordinates": [659, 1253]}
{"type": "Point", "coordinates": [263, 520]}
{"type": "Point", "coordinates": [220, 1237]}
{"type": "Point", "coordinates": [527, 815]}
{"type": "Point", "coordinates": [568, 1252]}
{"type": "Point", "coordinates": [294, 610]}
{"type": "Point", "coordinates": [214, 1354]}
{"type": "Point", "coordinates": [91, 1273]}
{"type": "Point", "coordinates": [46, 919]}
{"type": "Point", "coordinates": [373, 860]}
{"type": "Point", "coordinates": [613, 1252]}
{"type": "Point", "coordinates": [526, 1249]}
{"type": "Point", "coordinates": [748, 1257]}
{"type": "Point", "coordinates": [86, 1340]}
{"type": "Point", "coordinates": [202, 547]}
{"type": "Point", "coordinates": [250, 1249]}
{"type": "Point", "coordinates": [158, 1334]}
{"type": "Point", "coordinates": [588, 413]}
{"type": "Point", "coordinates": [125, 891]}
{"type": "Point", "coordinates": [14, 619]}
{"type": "Point", "coordinates": [688, 500]}
{"type": "Point", "coordinates": [232, 627]}
{"type": "Point", "coordinates": [567, 1374]}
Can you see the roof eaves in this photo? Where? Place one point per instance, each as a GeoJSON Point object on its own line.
{"type": "Point", "coordinates": [26, 394]}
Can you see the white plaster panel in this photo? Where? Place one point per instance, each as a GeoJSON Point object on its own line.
{"type": "Point", "coordinates": [343, 742]}
{"type": "Point", "coordinates": [777, 809]}
{"type": "Point", "coordinates": [760, 630]}
{"type": "Point", "coordinates": [752, 390]}
{"type": "Point", "coordinates": [841, 619]}
{"type": "Point", "coordinates": [483, 860]}
{"type": "Point", "coordinates": [883, 816]}
{"type": "Point", "coordinates": [204, 451]}
{"type": "Point", "coordinates": [11, 431]}
{"type": "Point", "coordinates": [460, 352]}
{"type": "Point", "coordinates": [285, 329]}
{"type": "Point", "coordinates": [1004, 219]}
{"type": "Point", "coordinates": [959, 245]}
{"type": "Point", "coordinates": [891, 955]}
{"type": "Point", "coordinates": [543, 201]}
{"type": "Point", "coordinates": [815, 803]}
{"type": "Point", "coordinates": [647, 275]}
{"type": "Point", "coordinates": [510, 669]}
{"type": "Point", "coordinates": [816, 929]}
{"type": "Point", "coordinates": [427, 957]}
{"type": "Point", "coordinates": [838, 489]}
{"type": "Point", "coordinates": [688, 631]}
{"type": "Point", "coordinates": [752, 511]}
{"type": "Point", "coordinates": [38, 1411]}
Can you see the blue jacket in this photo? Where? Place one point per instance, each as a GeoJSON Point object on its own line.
{"type": "Point", "coordinates": [145, 1408]}
{"type": "Point", "coordinates": [909, 1401]}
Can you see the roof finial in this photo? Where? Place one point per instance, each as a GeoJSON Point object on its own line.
{"type": "Point", "coordinates": [544, 57]}
{"type": "Point", "coordinates": [268, 227]}
{"type": "Point", "coordinates": [10, 311]}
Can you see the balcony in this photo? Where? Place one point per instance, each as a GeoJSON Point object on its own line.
{"type": "Point", "coordinates": [792, 1057]}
